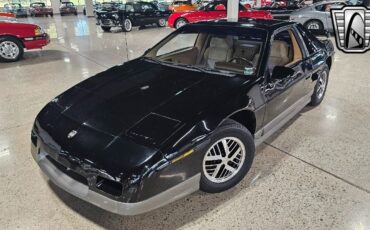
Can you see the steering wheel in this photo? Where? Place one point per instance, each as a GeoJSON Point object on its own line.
{"type": "Point", "coordinates": [242, 59]}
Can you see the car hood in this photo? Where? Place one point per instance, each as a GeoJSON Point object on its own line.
{"type": "Point", "coordinates": [128, 112]}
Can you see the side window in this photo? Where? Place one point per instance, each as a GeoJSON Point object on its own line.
{"type": "Point", "coordinates": [129, 8]}
{"type": "Point", "coordinates": [285, 50]}
{"type": "Point", "coordinates": [137, 7]}
{"type": "Point", "coordinates": [181, 42]}
{"type": "Point", "coordinates": [146, 7]}
{"type": "Point", "coordinates": [311, 42]}
{"type": "Point", "coordinates": [328, 6]}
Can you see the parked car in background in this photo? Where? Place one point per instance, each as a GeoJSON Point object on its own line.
{"type": "Point", "coordinates": [40, 9]}
{"type": "Point", "coordinates": [283, 11]}
{"type": "Point", "coordinates": [213, 10]}
{"type": "Point", "coordinates": [317, 16]}
{"type": "Point", "coordinates": [177, 3]}
{"type": "Point", "coordinates": [247, 3]}
{"type": "Point", "coordinates": [16, 9]}
{"type": "Point", "coordinates": [15, 37]}
{"type": "Point", "coordinates": [132, 14]}
{"type": "Point", "coordinates": [187, 115]}
{"type": "Point", "coordinates": [7, 14]}
{"type": "Point", "coordinates": [110, 6]}
{"type": "Point", "coordinates": [67, 8]}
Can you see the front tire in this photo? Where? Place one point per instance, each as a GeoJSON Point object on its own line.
{"type": "Point", "coordinates": [180, 23]}
{"type": "Point", "coordinates": [314, 25]}
{"type": "Point", "coordinates": [11, 49]}
{"type": "Point", "coordinates": [320, 87]}
{"type": "Point", "coordinates": [228, 157]}
{"type": "Point", "coordinates": [127, 25]}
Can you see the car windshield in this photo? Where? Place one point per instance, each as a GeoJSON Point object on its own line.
{"type": "Point", "coordinates": [38, 5]}
{"type": "Point", "coordinates": [15, 6]}
{"type": "Point", "coordinates": [229, 50]}
{"type": "Point", "coordinates": [67, 4]}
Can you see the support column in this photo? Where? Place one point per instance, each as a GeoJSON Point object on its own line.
{"type": "Point", "coordinates": [89, 8]}
{"type": "Point", "coordinates": [232, 10]}
{"type": "Point", "coordinates": [55, 4]}
{"type": "Point", "coordinates": [258, 3]}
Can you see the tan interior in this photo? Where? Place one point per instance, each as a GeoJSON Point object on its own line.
{"type": "Point", "coordinates": [297, 54]}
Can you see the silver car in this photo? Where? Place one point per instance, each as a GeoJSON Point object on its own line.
{"type": "Point", "coordinates": [317, 16]}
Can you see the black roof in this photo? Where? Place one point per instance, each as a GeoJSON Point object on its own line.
{"type": "Point", "coordinates": [267, 24]}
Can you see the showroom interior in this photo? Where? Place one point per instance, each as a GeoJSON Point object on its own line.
{"type": "Point", "coordinates": [69, 88]}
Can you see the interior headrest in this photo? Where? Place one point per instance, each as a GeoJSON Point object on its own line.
{"type": "Point", "coordinates": [219, 43]}
{"type": "Point", "coordinates": [279, 49]}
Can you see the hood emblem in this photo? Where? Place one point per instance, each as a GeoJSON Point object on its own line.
{"type": "Point", "coordinates": [72, 134]}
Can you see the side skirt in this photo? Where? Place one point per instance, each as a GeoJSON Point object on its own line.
{"type": "Point", "coordinates": [281, 120]}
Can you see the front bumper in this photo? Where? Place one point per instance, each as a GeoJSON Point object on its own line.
{"type": "Point", "coordinates": [83, 192]}
{"type": "Point", "coordinates": [109, 23]}
{"type": "Point", "coordinates": [36, 42]}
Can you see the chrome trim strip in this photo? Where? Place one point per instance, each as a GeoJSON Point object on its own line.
{"type": "Point", "coordinates": [83, 192]}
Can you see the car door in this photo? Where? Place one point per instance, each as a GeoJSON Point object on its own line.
{"type": "Point", "coordinates": [157, 13]}
{"type": "Point", "coordinates": [282, 94]}
{"type": "Point", "coordinates": [136, 13]}
{"type": "Point", "coordinates": [148, 12]}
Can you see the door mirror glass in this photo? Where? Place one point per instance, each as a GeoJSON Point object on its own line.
{"type": "Point", "coordinates": [281, 72]}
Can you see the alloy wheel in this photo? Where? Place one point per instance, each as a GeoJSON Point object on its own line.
{"type": "Point", "coordinates": [9, 50]}
{"type": "Point", "coordinates": [321, 85]}
{"type": "Point", "coordinates": [224, 159]}
{"type": "Point", "coordinates": [180, 23]}
{"type": "Point", "coordinates": [128, 25]}
{"type": "Point", "coordinates": [162, 22]}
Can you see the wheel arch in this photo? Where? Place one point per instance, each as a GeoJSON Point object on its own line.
{"type": "Point", "coordinates": [12, 36]}
{"type": "Point", "coordinates": [247, 118]}
{"type": "Point", "coordinates": [179, 18]}
{"type": "Point", "coordinates": [329, 62]}
{"type": "Point", "coordinates": [311, 20]}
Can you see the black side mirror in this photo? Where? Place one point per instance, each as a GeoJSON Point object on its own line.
{"type": "Point", "coordinates": [282, 72]}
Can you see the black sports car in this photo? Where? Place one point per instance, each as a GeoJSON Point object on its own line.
{"type": "Point", "coordinates": [187, 115]}
{"type": "Point", "coordinates": [132, 14]}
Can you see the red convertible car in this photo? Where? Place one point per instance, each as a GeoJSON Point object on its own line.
{"type": "Point", "coordinates": [15, 37]}
{"type": "Point", "coordinates": [211, 11]}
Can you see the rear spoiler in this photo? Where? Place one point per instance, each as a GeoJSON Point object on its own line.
{"type": "Point", "coordinates": [320, 33]}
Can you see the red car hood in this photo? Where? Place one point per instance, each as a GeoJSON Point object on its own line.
{"type": "Point", "coordinates": [17, 25]}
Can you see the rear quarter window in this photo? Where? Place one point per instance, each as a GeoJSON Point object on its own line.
{"type": "Point", "coordinates": [311, 42]}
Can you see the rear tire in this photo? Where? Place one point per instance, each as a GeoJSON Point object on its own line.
{"type": "Point", "coordinates": [180, 22]}
{"type": "Point", "coordinates": [221, 170]}
{"type": "Point", "coordinates": [320, 87]}
{"type": "Point", "coordinates": [51, 15]}
{"type": "Point", "coordinates": [11, 49]}
{"type": "Point", "coordinates": [105, 28]}
{"type": "Point", "coordinates": [314, 25]}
